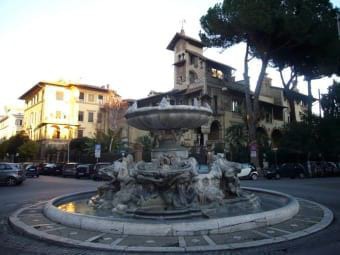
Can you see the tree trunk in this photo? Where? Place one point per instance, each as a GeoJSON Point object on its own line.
{"type": "Point", "coordinates": [310, 98]}
{"type": "Point", "coordinates": [291, 103]}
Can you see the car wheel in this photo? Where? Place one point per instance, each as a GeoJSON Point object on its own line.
{"type": "Point", "coordinates": [77, 176]}
{"type": "Point", "coordinates": [37, 175]}
{"type": "Point", "coordinates": [277, 176]}
{"type": "Point", "coordinates": [253, 177]}
{"type": "Point", "coordinates": [64, 175]}
{"type": "Point", "coordinates": [11, 181]}
{"type": "Point", "coordinates": [301, 175]}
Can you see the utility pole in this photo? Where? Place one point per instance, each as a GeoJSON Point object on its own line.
{"type": "Point", "coordinates": [338, 23]}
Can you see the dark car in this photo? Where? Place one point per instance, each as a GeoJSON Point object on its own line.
{"type": "Point", "coordinates": [11, 174]}
{"type": "Point", "coordinates": [84, 170]}
{"type": "Point", "coordinates": [53, 168]}
{"type": "Point", "coordinates": [69, 169]}
{"type": "Point", "coordinates": [291, 170]}
{"type": "Point", "coordinates": [48, 168]}
{"type": "Point", "coordinates": [97, 175]}
{"type": "Point", "coordinates": [32, 171]}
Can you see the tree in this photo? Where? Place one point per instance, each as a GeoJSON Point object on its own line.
{"type": "Point", "coordinates": [15, 142]}
{"type": "Point", "coordinates": [259, 25]}
{"type": "Point", "coordinates": [331, 102]}
{"type": "Point", "coordinates": [315, 51]}
{"type": "Point", "coordinates": [28, 150]}
{"type": "Point", "coordinates": [237, 140]}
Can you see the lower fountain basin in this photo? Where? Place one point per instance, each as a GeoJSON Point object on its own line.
{"type": "Point", "coordinates": [71, 211]}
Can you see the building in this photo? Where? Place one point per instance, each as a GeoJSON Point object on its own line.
{"type": "Point", "coordinates": [56, 112]}
{"type": "Point", "coordinates": [12, 122]}
{"type": "Point", "coordinates": [200, 79]}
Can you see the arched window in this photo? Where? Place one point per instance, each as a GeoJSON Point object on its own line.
{"type": "Point", "coordinates": [214, 130]}
{"type": "Point", "coordinates": [56, 132]}
{"type": "Point", "coordinates": [192, 77]}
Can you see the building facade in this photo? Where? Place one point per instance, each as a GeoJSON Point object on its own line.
{"type": "Point", "coordinates": [56, 112]}
{"type": "Point", "coordinates": [203, 80]}
{"type": "Point", "coordinates": [11, 123]}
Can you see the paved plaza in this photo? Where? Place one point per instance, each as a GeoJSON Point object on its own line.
{"type": "Point", "coordinates": [266, 240]}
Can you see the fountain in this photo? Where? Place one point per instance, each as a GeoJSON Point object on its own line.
{"type": "Point", "coordinates": [166, 206]}
{"type": "Point", "coordinates": [170, 187]}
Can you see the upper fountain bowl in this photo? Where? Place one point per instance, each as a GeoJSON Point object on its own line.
{"type": "Point", "coordinates": [167, 116]}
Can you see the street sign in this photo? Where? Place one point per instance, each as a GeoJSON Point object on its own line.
{"type": "Point", "coordinates": [97, 149]}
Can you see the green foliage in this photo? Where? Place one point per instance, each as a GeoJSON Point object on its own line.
{"type": "Point", "coordinates": [28, 150]}
{"type": "Point", "coordinates": [331, 102]}
{"type": "Point", "coordinates": [3, 149]}
{"type": "Point", "coordinates": [236, 137]}
{"type": "Point", "coordinates": [15, 142]}
{"type": "Point", "coordinates": [109, 141]}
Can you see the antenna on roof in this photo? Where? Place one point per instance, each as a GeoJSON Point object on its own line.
{"type": "Point", "coordinates": [183, 21]}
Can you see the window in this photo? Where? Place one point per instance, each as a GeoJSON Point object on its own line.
{"type": "Point", "coordinates": [18, 122]}
{"type": "Point", "coordinates": [216, 73]}
{"type": "Point", "coordinates": [60, 95]}
{"type": "Point", "coordinates": [80, 133]}
{"type": "Point", "coordinates": [90, 117]}
{"type": "Point", "coordinates": [99, 117]}
{"type": "Point", "coordinates": [58, 115]}
{"type": "Point", "coordinates": [192, 77]}
{"type": "Point", "coordinates": [215, 104]}
{"type": "Point", "coordinates": [56, 132]}
{"type": "Point", "coordinates": [100, 99]}
{"type": "Point", "coordinates": [81, 96]}
{"type": "Point", "coordinates": [91, 98]}
{"type": "Point", "coordinates": [80, 116]}
{"type": "Point", "coordinates": [193, 60]}
{"type": "Point", "coordinates": [235, 106]}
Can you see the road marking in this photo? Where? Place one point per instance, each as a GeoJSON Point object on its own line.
{"type": "Point", "coordinates": [115, 242]}
{"type": "Point", "coordinates": [263, 234]}
{"type": "Point", "coordinates": [91, 239]}
{"type": "Point", "coordinates": [209, 240]}
{"type": "Point", "coordinates": [281, 230]}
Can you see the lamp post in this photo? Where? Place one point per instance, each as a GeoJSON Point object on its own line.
{"type": "Point", "coordinates": [68, 151]}
{"type": "Point", "coordinates": [338, 23]}
{"type": "Point", "coordinates": [275, 155]}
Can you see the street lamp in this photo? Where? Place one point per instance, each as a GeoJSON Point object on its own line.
{"type": "Point", "coordinates": [338, 23]}
{"type": "Point", "coordinates": [275, 155]}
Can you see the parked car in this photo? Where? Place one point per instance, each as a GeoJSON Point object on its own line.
{"type": "Point", "coordinates": [48, 168]}
{"type": "Point", "coordinates": [11, 174]}
{"type": "Point", "coordinates": [291, 170]}
{"type": "Point", "coordinates": [248, 171]}
{"type": "Point", "coordinates": [70, 169]}
{"type": "Point", "coordinates": [32, 171]}
{"type": "Point", "coordinates": [97, 175]}
{"type": "Point", "coordinates": [84, 170]}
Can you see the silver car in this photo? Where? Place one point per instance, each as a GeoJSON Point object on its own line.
{"type": "Point", "coordinates": [11, 174]}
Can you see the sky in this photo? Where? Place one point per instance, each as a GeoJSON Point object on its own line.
{"type": "Point", "coordinates": [99, 42]}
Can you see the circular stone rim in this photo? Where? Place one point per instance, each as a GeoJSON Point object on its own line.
{"type": "Point", "coordinates": [152, 118]}
{"type": "Point", "coordinates": [209, 226]}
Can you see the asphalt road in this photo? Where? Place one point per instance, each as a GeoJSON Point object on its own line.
{"type": "Point", "coordinates": [322, 190]}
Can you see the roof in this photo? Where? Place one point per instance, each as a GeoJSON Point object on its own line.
{"type": "Point", "coordinates": [40, 84]}
{"type": "Point", "coordinates": [296, 94]}
{"type": "Point", "coordinates": [208, 59]}
{"type": "Point", "coordinates": [179, 36]}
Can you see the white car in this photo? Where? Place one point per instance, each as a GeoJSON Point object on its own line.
{"type": "Point", "coordinates": [248, 172]}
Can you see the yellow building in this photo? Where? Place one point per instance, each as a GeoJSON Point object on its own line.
{"type": "Point", "coordinates": [56, 112]}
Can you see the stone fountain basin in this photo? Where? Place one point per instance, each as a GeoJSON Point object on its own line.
{"type": "Point", "coordinates": [166, 118]}
{"type": "Point", "coordinates": [288, 207]}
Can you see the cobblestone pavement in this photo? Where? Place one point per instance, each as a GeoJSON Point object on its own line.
{"type": "Point", "coordinates": [323, 242]}
{"type": "Point", "coordinates": [311, 218]}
